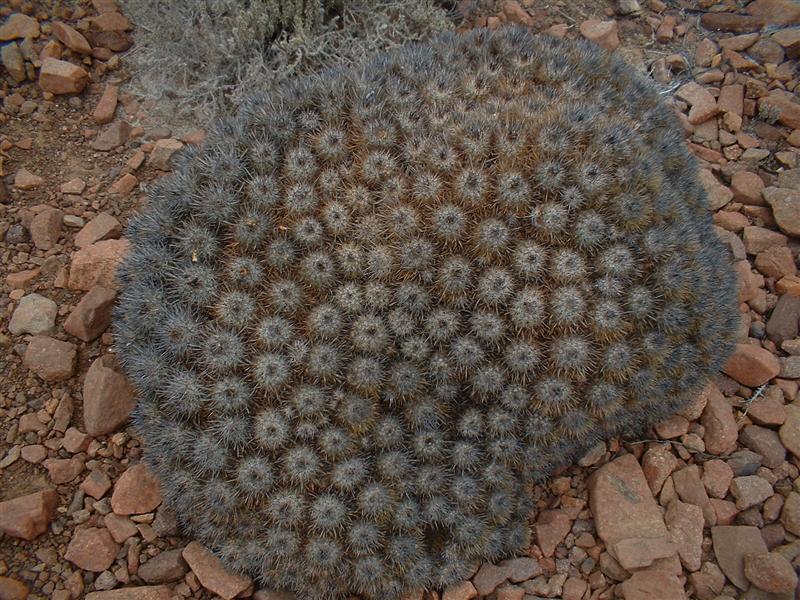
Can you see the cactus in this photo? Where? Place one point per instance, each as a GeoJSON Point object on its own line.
{"type": "Point", "coordinates": [381, 301]}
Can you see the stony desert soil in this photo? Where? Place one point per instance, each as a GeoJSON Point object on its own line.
{"type": "Point", "coordinates": [707, 507]}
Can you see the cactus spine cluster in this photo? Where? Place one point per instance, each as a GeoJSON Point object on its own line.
{"type": "Point", "coordinates": [379, 302]}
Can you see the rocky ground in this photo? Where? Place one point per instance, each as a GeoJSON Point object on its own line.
{"type": "Point", "coordinates": [707, 508]}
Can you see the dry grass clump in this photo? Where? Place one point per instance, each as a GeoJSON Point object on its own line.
{"type": "Point", "coordinates": [202, 57]}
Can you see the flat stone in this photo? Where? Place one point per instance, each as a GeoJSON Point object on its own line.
{"type": "Point", "coordinates": [124, 185]}
{"type": "Point", "coordinates": [27, 517]}
{"type": "Point", "coordinates": [111, 21]}
{"type": "Point", "coordinates": [765, 442]}
{"type": "Point", "coordinates": [702, 103]}
{"type": "Point", "coordinates": [744, 462]}
{"type": "Point", "coordinates": [757, 239]}
{"type": "Point", "coordinates": [718, 194]}
{"type": "Point", "coordinates": [768, 409]}
{"type": "Point", "coordinates": [750, 491]}
{"type": "Point", "coordinates": [487, 578]}
{"type": "Point", "coordinates": [685, 524]}
{"type": "Point", "coordinates": [720, 427]}
{"type": "Point", "coordinates": [747, 187]}
{"type": "Point", "coordinates": [776, 262]}
{"type": "Point", "coordinates": [213, 576]}
{"type": "Point", "coordinates": [34, 314]}
{"type": "Point", "coordinates": [790, 367]}
{"type": "Point", "coordinates": [717, 476]}
{"type": "Point", "coordinates": [136, 492]}
{"type": "Point", "coordinates": [164, 567]}
{"type": "Point", "coordinates": [785, 205]}
{"type": "Point", "coordinates": [103, 227]}
{"type": "Point", "coordinates": [731, 544]}
{"type": "Point", "coordinates": [63, 470]}
{"type": "Point", "coordinates": [657, 464]}
{"type": "Point", "coordinates": [121, 528]}
{"type": "Point", "coordinates": [14, 62]}
{"type": "Point", "coordinates": [460, 591]}
{"type": "Point", "coordinates": [790, 430]}
{"type": "Point", "coordinates": [62, 77]}
{"type": "Point", "coordinates": [776, 12]}
{"type": "Point", "coordinates": [142, 592]}
{"type": "Point", "coordinates": [752, 365]}
{"type": "Point", "coordinates": [71, 38]}
{"type": "Point", "coordinates": [107, 105]}
{"type": "Point", "coordinates": [13, 589]}
{"type": "Point", "coordinates": [552, 526]}
{"type": "Point", "coordinates": [97, 264]}
{"type": "Point", "coordinates": [634, 554]}
{"type": "Point", "coordinates": [45, 228]}
{"type": "Point", "coordinates": [108, 397]}
{"type": "Point", "coordinates": [783, 322]}
{"type": "Point", "coordinates": [92, 316]}
{"type": "Point", "coordinates": [74, 186]}
{"type": "Point", "coordinates": [96, 484]}
{"type": "Point", "coordinates": [50, 359]}
{"type": "Point", "coordinates": [622, 503]}
{"type": "Point", "coordinates": [18, 26]}
{"type": "Point", "coordinates": [790, 513]}
{"type": "Point", "coordinates": [781, 103]}
{"type": "Point", "coordinates": [602, 33]}
{"type": "Point", "coordinates": [33, 453]}
{"type": "Point", "coordinates": [731, 98]}
{"type": "Point", "coordinates": [653, 583]}
{"type": "Point", "coordinates": [770, 572]}
{"type": "Point", "coordinates": [521, 568]}
{"type": "Point", "coordinates": [162, 153]}
{"type": "Point", "coordinates": [75, 441]}
{"type": "Point", "coordinates": [690, 488]}
{"type": "Point", "coordinates": [92, 549]}
{"type": "Point", "coordinates": [113, 136]}
{"type": "Point", "coordinates": [25, 180]}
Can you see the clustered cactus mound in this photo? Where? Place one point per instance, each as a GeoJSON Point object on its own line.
{"type": "Point", "coordinates": [373, 307]}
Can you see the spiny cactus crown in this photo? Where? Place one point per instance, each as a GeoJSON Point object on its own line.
{"type": "Point", "coordinates": [380, 301]}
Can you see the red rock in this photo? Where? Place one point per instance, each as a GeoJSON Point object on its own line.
{"type": "Point", "coordinates": [790, 430]}
{"type": "Point", "coordinates": [33, 453]}
{"type": "Point", "coordinates": [771, 572]}
{"type": "Point", "coordinates": [758, 239]}
{"type": "Point", "coordinates": [672, 427]}
{"type": "Point", "coordinates": [120, 528]}
{"type": "Point", "coordinates": [776, 262]}
{"type": "Point", "coordinates": [27, 517]}
{"type": "Point", "coordinates": [765, 442]}
{"type": "Point", "coordinates": [551, 527]}
{"type": "Point", "coordinates": [75, 440]}
{"type": "Point", "coordinates": [720, 426]}
{"type": "Point", "coordinates": [46, 228]}
{"type": "Point", "coordinates": [739, 43]}
{"type": "Point", "coordinates": [747, 188]}
{"type": "Point", "coordinates": [96, 484]}
{"type": "Point", "coordinates": [111, 21]}
{"type": "Point", "coordinates": [602, 33]}
{"type": "Point", "coordinates": [102, 227]}
{"type": "Point", "coordinates": [776, 12]}
{"type": "Point", "coordinates": [108, 398]}
{"type": "Point", "coordinates": [703, 105]}
{"type": "Point", "coordinates": [13, 589]}
{"type": "Point", "coordinates": [730, 220]}
{"type": "Point", "coordinates": [124, 185]}
{"type": "Point", "coordinates": [657, 464]}
{"type": "Point", "coordinates": [787, 110]}
{"type": "Point", "coordinates": [97, 264]}
{"type": "Point", "coordinates": [113, 136]}
{"type": "Point", "coordinates": [731, 545]}
{"type": "Point", "coordinates": [785, 205]}
{"type": "Point", "coordinates": [517, 14]}
{"type": "Point", "coordinates": [71, 38]}
{"type": "Point", "coordinates": [34, 314]}
{"type": "Point", "coordinates": [752, 365]}
{"type": "Point", "coordinates": [142, 592]}
{"type": "Point", "coordinates": [574, 589]}
{"type": "Point", "coordinates": [717, 476]}
{"type": "Point", "coordinates": [487, 578]}
{"type": "Point", "coordinates": [164, 567]}
{"type": "Point", "coordinates": [651, 584]}
{"type": "Point", "coordinates": [21, 279]}
{"type": "Point", "coordinates": [63, 470]}
{"type": "Point", "coordinates": [136, 492]}
{"type": "Point", "coordinates": [73, 186]}
{"type": "Point", "coordinates": [92, 316]}
{"type": "Point", "coordinates": [162, 153]}
{"type": "Point", "coordinates": [750, 490]}
{"type": "Point", "coordinates": [685, 524]}
{"type": "Point", "coordinates": [718, 194]}
{"type": "Point", "coordinates": [634, 554]}
{"type": "Point", "coordinates": [213, 576]}
{"type": "Point", "coordinates": [19, 26]}
{"type": "Point", "coordinates": [92, 549]}
{"type": "Point", "coordinates": [768, 409]}
{"type": "Point", "coordinates": [62, 77]}
{"type": "Point", "coordinates": [105, 6]}
{"type": "Point", "coordinates": [50, 359]}
{"type": "Point", "coordinates": [460, 591]}
{"type": "Point", "coordinates": [731, 98]}
{"type": "Point", "coordinates": [690, 489]}
{"type": "Point", "coordinates": [666, 29]}
{"type": "Point", "coordinates": [521, 568]}
{"type": "Point", "coordinates": [622, 503]}
{"type": "Point", "coordinates": [25, 180]}
{"type": "Point", "coordinates": [107, 105]}
{"type": "Point", "coordinates": [790, 514]}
